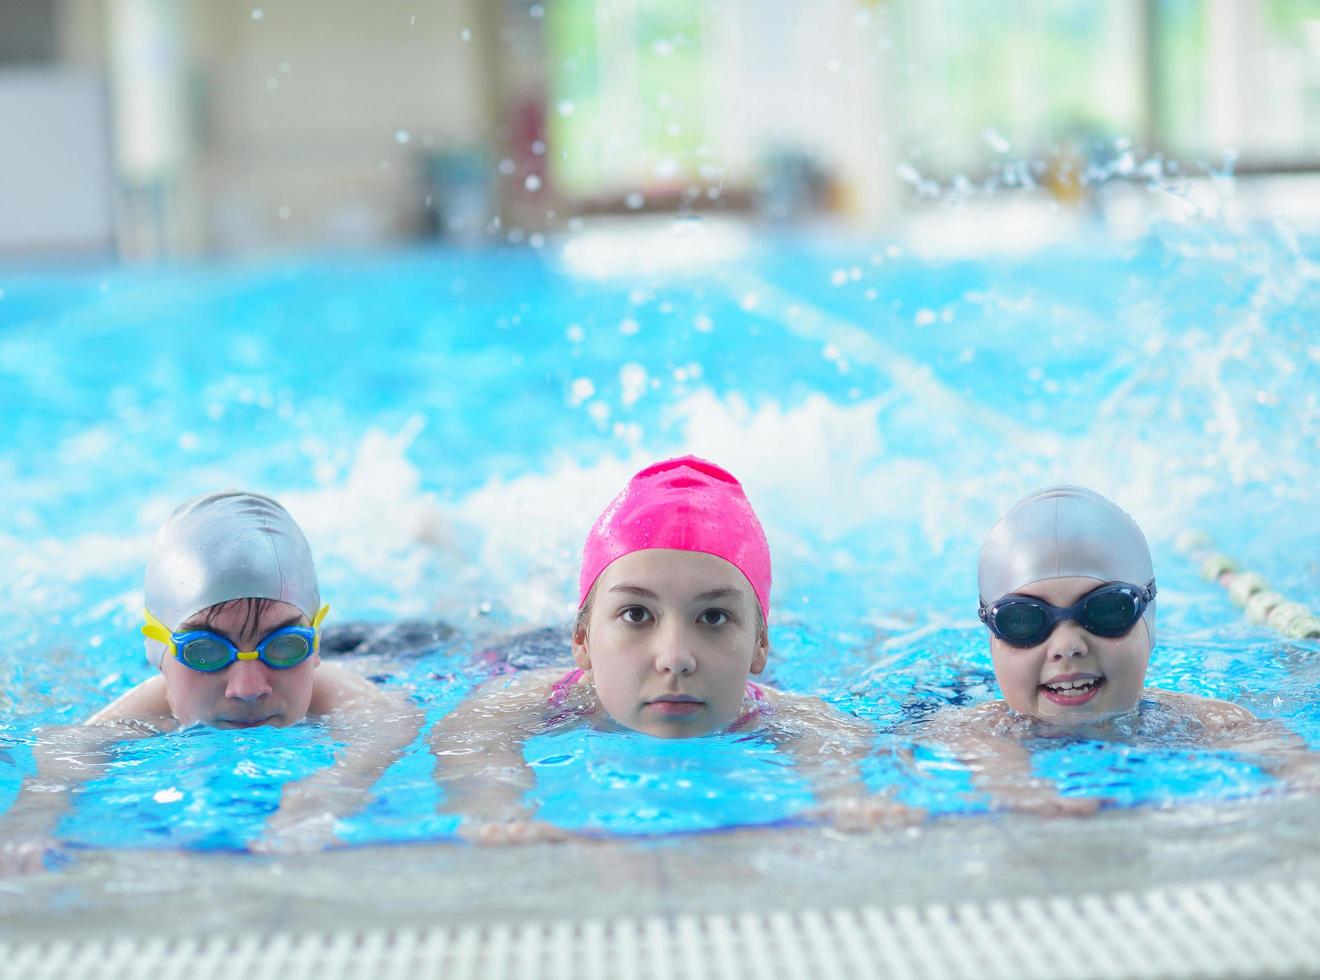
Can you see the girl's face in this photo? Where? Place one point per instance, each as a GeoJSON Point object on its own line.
{"type": "Point", "coordinates": [670, 641]}
{"type": "Point", "coordinates": [247, 693]}
{"type": "Point", "coordinates": [1073, 676]}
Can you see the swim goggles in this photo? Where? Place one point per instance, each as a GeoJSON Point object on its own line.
{"type": "Point", "coordinates": [208, 652]}
{"type": "Point", "coordinates": [1110, 611]}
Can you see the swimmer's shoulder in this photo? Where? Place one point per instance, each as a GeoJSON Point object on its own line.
{"type": "Point", "coordinates": [335, 688]}
{"type": "Point", "coordinates": [973, 719]}
{"type": "Point", "coordinates": [791, 712]}
{"type": "Point", "coordinates": [144, 710]}
{"type": "Point", "coordinates": [789, 703]}
{"type": "Point", "coordinates": [532, 689]}
{"type": "Point", "coordinates": [1217, 716]}
{"type": "Point", "coordinates": [537, 682]}
{"type": "Point", "coordinates": [516, 701]}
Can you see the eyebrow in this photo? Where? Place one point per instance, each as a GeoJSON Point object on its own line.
{"type": "Point", "coordinates": [636, 590]}
{"type": "Point", "coordinates": [724, 592]}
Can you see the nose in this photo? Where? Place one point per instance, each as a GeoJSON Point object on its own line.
{"type": "Point", "coordinates": [248, 680]}
{"type": "Point", "coordinates": [1067, 641]}
{"type": "Point", "coordinates": [673, 653]}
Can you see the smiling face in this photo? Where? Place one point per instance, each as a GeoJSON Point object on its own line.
{"type": "Point", "coordinates": [1074, 675]}
{"type": "Point", "coordinates": [670, 641]}
{"type": "Point", "coordinates": [247, 693]}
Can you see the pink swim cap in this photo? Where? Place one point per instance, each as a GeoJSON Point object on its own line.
{"type": "Point", "coordinates": [687, 504]}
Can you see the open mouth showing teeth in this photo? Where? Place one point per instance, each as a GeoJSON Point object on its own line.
{"type": "Point", "coordinates": [1074, 687]}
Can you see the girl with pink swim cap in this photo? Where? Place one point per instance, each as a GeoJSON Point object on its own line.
{"type": "Point", "coordinates": [673, 599]}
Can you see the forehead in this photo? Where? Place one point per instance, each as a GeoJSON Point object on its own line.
{"type": "Point", "coordinates": [673, 574]}
{"type": "Point", "coordinates": [1061, 591]}
{"type": "Point", "coordinates": [238, 615]}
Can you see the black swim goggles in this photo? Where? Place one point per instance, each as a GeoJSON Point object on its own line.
{"type": "Point", "coordinates": [1110, 611]}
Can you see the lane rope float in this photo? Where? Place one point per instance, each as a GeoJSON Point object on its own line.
{"type": "Point", "coordinates": [1250, 590]}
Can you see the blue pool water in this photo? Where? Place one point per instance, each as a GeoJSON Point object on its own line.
{"type": "Point", "coordinates": [446, 426]}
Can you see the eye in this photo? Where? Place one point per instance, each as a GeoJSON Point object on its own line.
{"type": "Point", "coordinates": [636, 615]}
{"type": "Point", "coordinates": [713, 617]}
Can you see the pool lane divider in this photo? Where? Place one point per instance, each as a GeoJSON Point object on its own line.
{"type": "Point", "coordinates": [1250, 590]}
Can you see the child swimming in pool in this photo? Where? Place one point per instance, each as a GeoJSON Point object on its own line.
{"type": "Point", "coordinates": [233, 623]}
{"type": "Point", "coordinates": [674, 592]}
{"type": "Point", "coordinates": [1067, 592]}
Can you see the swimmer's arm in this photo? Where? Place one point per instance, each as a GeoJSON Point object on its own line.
{"type": "Point", "coordinates": [827, 748]}
{"type": "Point", "coordinates": [375, 727]}
{"type": "Point", "coordinates": [1280, 752]}
{"type": "Point", "coordinates": [479, 761]}
{"type": "Point", "coordinates": [1000, 767]}
{"type": "Point", "coordinates": [67, 758]}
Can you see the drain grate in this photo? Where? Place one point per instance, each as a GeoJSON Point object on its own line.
{"type": "Point", "coordinates": [1209, 930]}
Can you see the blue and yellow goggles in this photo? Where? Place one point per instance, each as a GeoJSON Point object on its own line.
{"type": "Point", "coordinates": [208, 652]}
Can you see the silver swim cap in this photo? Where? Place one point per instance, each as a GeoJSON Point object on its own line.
{"type": "Point", "coordinates": [223, 546]}
{"type": "Point", "coordinates": [1060, 532]}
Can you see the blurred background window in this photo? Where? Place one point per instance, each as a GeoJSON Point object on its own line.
{"type": "Point", "coordinates": [237, 127]}
{"type": "Point", "coordinates": [626, 94]}
{"type": "Point", "coordinates": [1239, 76]}
{"type": "Point", "coordinates": [975, 79]}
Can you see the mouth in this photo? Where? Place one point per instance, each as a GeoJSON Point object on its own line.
{"type": "Point", "coordinates": [243, 723]}
{"type": "Point", "coordinates": [675, 705]}
{"type": "Point", "coordinates": [1072, 690]}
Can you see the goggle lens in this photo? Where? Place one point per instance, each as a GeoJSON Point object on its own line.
{"type": "Point", "coordinates": [286, 650]}
{"type": "Point", "coordinates": [205, 653]}
{"type": "Point", "coordinates": [1019, 621]}
{"type": "Point", "coordinates": [1110, 613]}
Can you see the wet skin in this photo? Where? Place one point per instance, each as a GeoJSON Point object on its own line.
{"type": "Point", "coordinates": [670, 642]}
{"type": "Point", "coordinates": [1074, 675]}
{"type": "Point", "coordinates": [247, 693]}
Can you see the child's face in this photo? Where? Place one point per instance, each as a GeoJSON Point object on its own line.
{"type": "Point", "coordinates": [670, 641]}
{"type": "Point", "coordinates": [247, 693]}
{"type": "Point", "coordinates": [1103, 676]}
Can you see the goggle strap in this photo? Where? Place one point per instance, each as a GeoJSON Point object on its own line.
{"type": "Point", "coordinates": [316, 627]}
{"type": "Point", "coordinates": [158, 631]}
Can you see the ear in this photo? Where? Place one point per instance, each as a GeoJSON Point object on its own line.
{"type": "Point", "coordinates": [581, 656]}
{"type": "Point", "coordinates": [762, 653]}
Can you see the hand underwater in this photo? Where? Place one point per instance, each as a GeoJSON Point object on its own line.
{"type": "Point", "coordinates": [300, 826]}
{"type": "Point", "coordinates": [1045, 801]}
{"type": "Point", "coordinates": [856, 814]}
{"type": "Point", "coordinates": [505, 832]}
{"type": "Point", "coordinates": [25, 857]}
